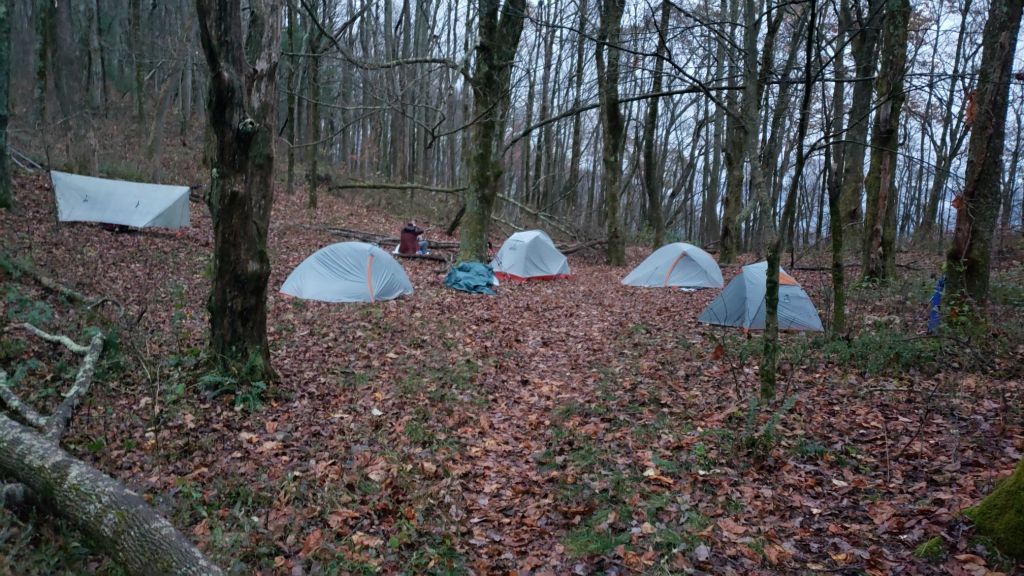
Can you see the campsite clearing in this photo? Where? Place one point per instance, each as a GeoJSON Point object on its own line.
{"type": "Point", "coordinates": [563, 427]}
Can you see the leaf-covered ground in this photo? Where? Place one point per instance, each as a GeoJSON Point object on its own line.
{"type": "Point", "coordinates": [565, 427]}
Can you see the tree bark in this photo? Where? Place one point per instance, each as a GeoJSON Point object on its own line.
{"type": "Point", "coordinates": [968, 260]}
{"type": "Point", "coordinates": [864, 38]}
{"type": "Point", "coordinates": [608, 55]}
{"type": "Point", "coordinates": [241, 118]}
{"type": "Point", "coordinates": [771, 298]}
{"type": "Point", "coordinates": [496, 51]}
{"type": "Point", "coordinates": [879, 249]}
{"type": "Point", "coordinates": [653, 179]}
{"type": "Point", "coordinates": [117, 520]}
{"type": "Point", "coordinates": [293, 62]}
{"type": "Point", "coordinates": [6, 193]}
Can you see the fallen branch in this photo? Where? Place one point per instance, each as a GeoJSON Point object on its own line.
{"type": "Point", "coordinates": [386, 186]}
{"type": "Point", "coordinates": [48, 283]}
{"type": "Point", "coordinates": [56, 339]}
{"type": "Point", "coordinates": [115, 518]}
{"type": "Point", "coordinates": [15, 405]}
{"type": "Point", "coordinates": [434, 257]}
{"type": "Point", "coordinates": [569, 249]}
{"type": "Point", "coordinates": [57, 423]}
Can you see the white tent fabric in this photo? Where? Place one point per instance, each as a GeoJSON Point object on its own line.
{"type": "Point", "coordinates": [742, 303]}
{"type": "Point", "coordinates": [348, 272]}
{"type": "Point", "coordinates": [88, 199]}
{"type": "Point", "coordinates": [678, 264]}
{"type": "Point", "coordinates": [530, 254]}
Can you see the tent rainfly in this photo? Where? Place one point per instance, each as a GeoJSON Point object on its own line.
{"type": "Point", "coordinates": [530, 255]}
{"type": "Point", "coordinates": [742, 303]}
{"type": "Point", "coordinates": [678, 264]}
{"type": "Point", "coordinates": [348, 272]}
{"type": "Point", "coordinates": [88, 199]}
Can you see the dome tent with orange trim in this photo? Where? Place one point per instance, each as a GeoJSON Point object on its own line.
{"type": "Point", "coordinates": [348, 272]}
{"type": "Point", "coordinates": [679, 265]}
{"type": "Point", "coordinates": [530, 255]}
{"type": "Point", "coordinates": [742, 303]}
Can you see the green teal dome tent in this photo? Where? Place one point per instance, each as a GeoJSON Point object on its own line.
{"type": "Point", "coordinates": [742, 304]}
{"type": "Point", "coordinates": [679, 265]}
{"type": "Point", "coordinates": [348, 272]}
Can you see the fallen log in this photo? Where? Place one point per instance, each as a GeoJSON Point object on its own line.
{"type": "Point", "coordinates": [116, 519]}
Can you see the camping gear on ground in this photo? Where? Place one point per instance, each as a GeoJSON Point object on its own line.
{"type": "Point", "coordinates": [934, 304]}
{"type": "Point", "coordinates": [472, 277]}
{"type": "Point", "coordinates": [348, 272]}
{"type": "Point", "coordinates": [679, 265]}
{"type": "Point", "coordinates": [530, 255]}
{"type": "Point", "coordinates": [88, 199]}
{"type": "Point", "coordinates": [742, 303]}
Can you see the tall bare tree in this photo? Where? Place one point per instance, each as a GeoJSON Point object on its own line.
{"type": "Point", "coordinates": [608, 57]}
{"type": "Point", "coordinates": [6, 194]}
{"type": "Point", "coordinates": [879, 249]}
{"type": "Point", "coordinates": [500, 28]}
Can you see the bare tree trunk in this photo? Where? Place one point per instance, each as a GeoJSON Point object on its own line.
{"type": "Point", "coordinates": [771, 298]}
{"type": "Point", "coordinates": [312, 177]}
{"type": "Point", "coordinates": [735, 136]}
{"type": "Point", "coordinates": [835, 152]}
{"type": "Point", "coordinates": [864, 38]}
{"type": "Point", "coordinates": [653, 179]}
{"type": "Point", "coordinates": [879, 248]}
{"type": "Point", "coordinates": [135, 33]}
{"type": "Point", "coordinates": [496, 49]}
{"type": "Point", "coordinates": [293, 62]}
{"type": "Point", "coordinates": [968, 260]}
{"type": "Point", "coordinates": [70, 84]}
{"type": "Point", "coordinates": [6, 193]}
{"type": "Point", "coordinates": [608, 55]}
{"type": "Point", "coordinates": [952, 136]}
{"type": "Point", "coordinates": [576, 153]}
{"type": "Point", "coordinates": [241, 118]}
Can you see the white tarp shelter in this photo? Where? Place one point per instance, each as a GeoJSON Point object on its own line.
{"type": "Point", "coordinates": [742, 304]}
{"type": "Point", "coordinates": [530, 255]}
{"type": "Point", "coordinates": [88, 199]}
{"type": "Point", "coordinates": [678, 264]}
{"type": "Point", "coordinates": [348, 272]}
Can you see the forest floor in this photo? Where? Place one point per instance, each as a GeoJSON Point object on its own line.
{"type": "Point", "coordinates": [565, 427]}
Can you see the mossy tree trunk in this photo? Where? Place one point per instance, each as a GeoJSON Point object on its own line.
{"type": "Point", "coordinates": [1000, 516]}
{"type": "Point", "coordinates": [496, 52]}
{"type": "Point", "coordinates": [967, 263]}
{"type": "Point", "coordinates": [613, 138]}
{"type": "Point", "coordinates": [243, 75]}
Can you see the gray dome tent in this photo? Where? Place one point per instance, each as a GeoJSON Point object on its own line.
{"type": "Point", "coordinates": [348, 272]}
{"type": "Point", "coordinates": [530, 255]}
{"type": "Point", "coordinates": [741, 304]}
{"type": "Point", "coordinates": [678, 264]}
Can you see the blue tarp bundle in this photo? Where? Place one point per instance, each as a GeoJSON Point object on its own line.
{"type": "Point", "coordinates": [472, 277]}
{"type": "Point", "coordinates": [933, 306]}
